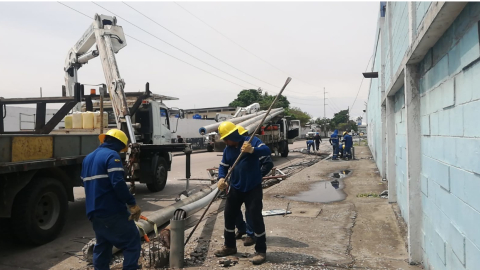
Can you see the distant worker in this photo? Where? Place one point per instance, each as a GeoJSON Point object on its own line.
{"type": "Point", "coordinates": [245, 187]}
{"type": "Point", "coordinates": [179, 139]}
{"type": "Point", "coordinates": [107, 197]}
{"type": "Point", "coordinates": [348, 142]}
{"type": "Point", "coordinates": [266, 165]}
{"type": "Point", "coordinates": [318, 140]}
{"type": "Point", "coordinates": [310, 143]}
{"type": "Point", "coordinates": [334, 142]}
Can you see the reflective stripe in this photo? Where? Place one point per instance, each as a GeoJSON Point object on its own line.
{"type": "Point", "coordinates": [232, 231]}
{"type": "Point", "coordinates": [262, 157]}
{"type": "Point", "coordinates": [260, 235]}
{"type": "Point", "coordinates": [95, 177]}
{"type": "Point", "coordinates": [115, 169]}
{"type": "Point", "coordinates": [223, 164]}
{"type": "Point", "coordinates": [262, 144]}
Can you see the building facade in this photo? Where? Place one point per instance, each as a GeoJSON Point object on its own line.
{"type": "Point", "coordinates": [422, 130]}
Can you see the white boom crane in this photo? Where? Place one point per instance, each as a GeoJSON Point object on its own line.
{"type": "Point", "coordinates": [109, 39]}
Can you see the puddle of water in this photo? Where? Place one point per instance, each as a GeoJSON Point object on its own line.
{"type": "Point", "coordinates": [324, 192]}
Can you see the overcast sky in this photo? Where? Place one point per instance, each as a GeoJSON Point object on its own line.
{"type": "Point", "coordinates": [319, 44]}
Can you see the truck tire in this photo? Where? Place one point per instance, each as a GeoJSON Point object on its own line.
{"type": "Point", "coordinates": [284, 149]}
{"type": "Point", "coordinates": [209, 148]}
{"type": "Point", "coordinates": [160, 176]}
{"type": "Point", "coordinates": [40, 211]}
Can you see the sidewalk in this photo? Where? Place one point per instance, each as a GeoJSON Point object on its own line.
{"type": "Point", "coordinates": [357, 232]}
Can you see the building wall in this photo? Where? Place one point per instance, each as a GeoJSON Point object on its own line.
{"type": "Point", "coordinates": [450, 104]}
{"type": "Point", "coordinates": [448, 90]}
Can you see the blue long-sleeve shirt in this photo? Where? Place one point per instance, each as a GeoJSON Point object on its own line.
{"type": "Point", "coordinates": [266, 165]}
{"type": "Point", "coordinates": [106, 191]}
{"type": "Point", "coordinates": [246, 174]}
{"type": "Point", "coordinates": [348, 140]}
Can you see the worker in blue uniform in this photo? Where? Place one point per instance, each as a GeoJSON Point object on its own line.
{"type": "Point", "coordinates": [310, 144]}
{"type": "Point", "coordinates": [348, 142]}
{"type": "Point", "coordinates": [266, 165]}
{"type": "Point", "coordinates": [334, 142]}
{"type": "Point", "coordinates": [106, 199]}
{"type": "Point", "coordinates": [245, 186]}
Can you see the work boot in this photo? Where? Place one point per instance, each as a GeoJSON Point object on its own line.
{"type": "Point", "coordinates": [259, 258]}
{"type": "Point", "coordinates": [225, 251]}
{"type": "Point", "coordinates": [239, 235]}
{"type": "Point", "coordinates": [248, 241]}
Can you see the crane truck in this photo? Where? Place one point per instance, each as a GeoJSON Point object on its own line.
{"type": "Point", "coordinates": [40, 168]}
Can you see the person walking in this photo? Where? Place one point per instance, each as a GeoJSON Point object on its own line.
{"type": "Point", "coordinates": [334, 142]}
{"type": "Point", "coordinates": [245, 187]}
{"type": "Point", "coordinates": [106, 200]}
{"type": "Point", "coordinates": [318, 140]}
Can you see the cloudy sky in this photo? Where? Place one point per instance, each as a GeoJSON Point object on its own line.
{"type": "Point", "coordinates": [244, 45]}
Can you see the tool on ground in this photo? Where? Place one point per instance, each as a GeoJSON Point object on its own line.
{"type": "Point", "coordinates": [239, 157]}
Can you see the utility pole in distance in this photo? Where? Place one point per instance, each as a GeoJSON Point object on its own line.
{"type": "Point", "coordinates": [324, 104]}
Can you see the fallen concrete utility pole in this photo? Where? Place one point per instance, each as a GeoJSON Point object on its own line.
{"type": "Point", "coordinates": [254, 122]}
{"type": "Point", "coordinates": [214, 127]}
{"type": "Point", "coordinates": [268, 118]}
{"type": "Point", "coordinates": [162, 216]}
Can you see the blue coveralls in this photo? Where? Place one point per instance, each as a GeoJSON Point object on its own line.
{"type": "Point", "coordinates": [266, 165]}
{"type": "Point", "coordinates": [245, 187]}
{"type": "Point", "coordinates": [334, 141]}
{"type": "Point", "coordinates": [348, 141]}
{"type": "Point", "coordinates": [310, 143]}
{"type": "Point", "coordinates": [107, 195]}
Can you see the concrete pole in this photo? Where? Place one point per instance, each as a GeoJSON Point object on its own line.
{"type": "Point", "coordinates": [390, 148]}
{"type": "Point", "coordinates": [413, 153]}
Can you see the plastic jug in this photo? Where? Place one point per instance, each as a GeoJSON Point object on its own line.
{"type": "Point", "coordinates": [97, 119]}
{"type": "Point", "coordinates": [77, 121]}
{"type": "Point", "coordinates": [87, 120]}
{"type": "Point", "coordinates": [68, 121]}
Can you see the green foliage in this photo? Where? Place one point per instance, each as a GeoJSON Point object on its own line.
{"type": "Point", "coordinates": [247, 97]}
{"type": "Point", "coordinates": [298, 114]}
{"type": "Point", "coordinates": [340, 117]}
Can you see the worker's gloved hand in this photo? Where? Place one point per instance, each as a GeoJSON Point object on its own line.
{"type": "Point", "coordinates": [222, 184]}
{"type": "Point", "coordinates": [135, 212]}
{"type": "Point", "coordinates": [247, 148]}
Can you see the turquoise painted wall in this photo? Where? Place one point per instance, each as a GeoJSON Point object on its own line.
{"type": "Point", "coordinates": [400, 153]}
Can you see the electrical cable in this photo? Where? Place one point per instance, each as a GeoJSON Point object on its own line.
{"type": "Point", "coordinates": [359, 88]}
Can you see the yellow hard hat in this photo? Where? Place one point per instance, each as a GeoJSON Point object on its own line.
{"type": "Point", "coordinates": [241, 130]}
{"type": "Point", "coordinates": [226, 128]}
{"type": "Point", "coordinates": [345, 132]}
{"type": "Point", "coordinates": [343, 146]}
{"type": "Point", "coordinates": [117, 134]}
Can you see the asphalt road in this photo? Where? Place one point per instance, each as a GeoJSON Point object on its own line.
{"type": "Point", "coordinates": [59, 253]}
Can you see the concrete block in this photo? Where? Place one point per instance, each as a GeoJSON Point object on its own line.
{"type": "Point", "coordinates": [437, 172]}
{"type": "Point", "coordinates": [463, 87]}
{"type": "Point", "coordinates": [457, 241]}
{"type": "Point", "coordinates": [452, 260]}
{"type": "Point", "coordinates": [449, 155]}
{"type": "Point", "coordinates": [471, 111]}
{"type": "Point", "coordinates": [466, 150]}
{"type": "Point", "coordinates": [439, 246]}
{"type": "Point", "coordinates": [456, 118]}
{"type": "Point", "coordinates": [424, 184]}
{"type": "Point", "coordinates": [443, 45]}
{"type": "Point", "coordinates": [457, 181]}
{"type": "Point", "coordinates": [465, 52]}
{"type": "Point", "coordinates": [447, 93]}
{"type": "Point", "coordinates": [471, 183]}
{"type": "Point", "coordinates": [443, 123]}
{"type": "Point", "coordinates": [472, 257]}
{"type": "Point", "coordinates": [434, 124]}
{"type": "Point", "coordinates": [425, 124]}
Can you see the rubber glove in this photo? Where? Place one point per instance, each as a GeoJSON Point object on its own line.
{"type": "Point", "coordinates": [247, 148]}
{"type": "Point", "coordinates": [135, 212]}
{"type": "Point", "coordinates": [222, 185]}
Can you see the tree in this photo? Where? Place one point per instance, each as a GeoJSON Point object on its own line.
{"type": "Point", "coordinates": [247, 97]}
{"type": "Point", "coordinates": [340, 117]}
{"type": "Point", "coordinates": [298, 114]}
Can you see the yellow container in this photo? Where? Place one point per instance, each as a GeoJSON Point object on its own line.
{"type": "Point", "coordinates": [96, 119]}
{"type": "Point", "coordinates": [87, 120]}
{"type": "Point", "coordinates": [77, 120]}
{"type": "Point", "coordinates": [68, 120]}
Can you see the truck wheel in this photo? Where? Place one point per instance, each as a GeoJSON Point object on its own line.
{"type": "Point", "coordinates": [284, 149]}
{"type": "Point", "coordinates": [40, 211]}
{"type": "Point", "coordinates": [160, 176]}
{"type": "Point", "coordinates": [209, 148]}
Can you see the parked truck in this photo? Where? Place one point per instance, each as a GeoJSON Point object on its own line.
{"type": "Point", "coordinates": [40, 168]}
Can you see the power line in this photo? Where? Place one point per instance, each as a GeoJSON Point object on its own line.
{"type": "Point", "coordinates": [245, 49]}
{"type": "Point", "coordinates": [361, 84]}
{"type": "Point", "coordinates": [176, 58]}
{"type": "Point", "coordinates": [175, 46]}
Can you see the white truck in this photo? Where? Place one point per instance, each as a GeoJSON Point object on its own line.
{"type": "Point", "coordinates": [40, 168]}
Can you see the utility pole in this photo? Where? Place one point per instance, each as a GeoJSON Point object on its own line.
{"type": "Point", "coordinates": [324, 104]}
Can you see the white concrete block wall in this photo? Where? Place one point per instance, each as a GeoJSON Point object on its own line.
{"type": "Point", "coordinates": [449, 89]}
